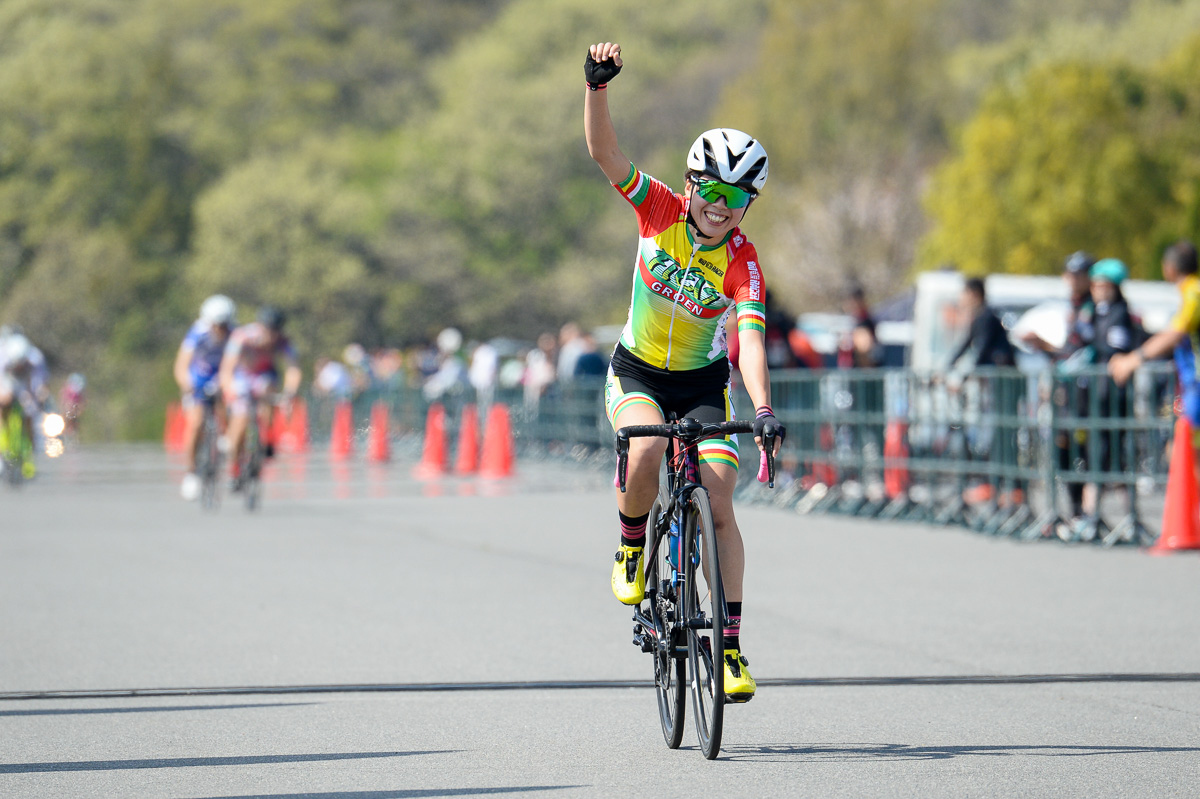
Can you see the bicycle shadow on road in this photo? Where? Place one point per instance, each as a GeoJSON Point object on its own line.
{"type": "Point", "coordinates": [835, 752]}
{"type": "Point", "coordinates": [406, 793]}
{"type": "Point", "coordinates": [192, 762]}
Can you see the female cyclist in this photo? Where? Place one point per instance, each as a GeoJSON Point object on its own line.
{"type": "Point", "coordinates": [693, 268]}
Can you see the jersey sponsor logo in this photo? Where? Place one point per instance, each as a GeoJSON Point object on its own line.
{"type": "Point", "coordinates": [712, 266]}
{"type": "Point", "coordinates": [755, 280]}
{"type": "Point", "coordinates": [739, 240]}
{"type": "Point", "coordinates": [690, 288]}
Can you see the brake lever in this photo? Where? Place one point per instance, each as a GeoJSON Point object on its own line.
{"type": "Point", "coordinates": [766, 463]}
{"type": "Point", "coordinates": [622, 458]}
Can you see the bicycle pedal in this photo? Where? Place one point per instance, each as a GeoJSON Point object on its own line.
{"type": "Point", "coordinates": [738, 699]}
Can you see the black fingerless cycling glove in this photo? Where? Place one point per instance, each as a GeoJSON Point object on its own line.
{"type": "Point", "coordinates": [597, 74]}
{"type": "Point", "coordinates": [765, 421]}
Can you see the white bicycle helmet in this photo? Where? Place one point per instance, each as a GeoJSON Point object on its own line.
{"type": "Point", "coordinates": [218, 310]}
{"type": "Point", "coordinates": [17, 349]}
{"type": "Point", "coordinates": [731, 156]}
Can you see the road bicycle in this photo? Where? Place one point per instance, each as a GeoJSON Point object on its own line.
{"type": "Point", "coordinates": [682, 620]}
{"type": "Point", "coordinates": [254, 448]}
{"type": "Point", "coordinates": [16, 448]}
{"type": "Point", "coordinates": [208, 458]}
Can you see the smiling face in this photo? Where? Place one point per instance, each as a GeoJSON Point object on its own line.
{"type": "Point", "coordinates": [713, 220]}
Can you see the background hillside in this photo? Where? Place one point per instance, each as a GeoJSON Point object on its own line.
{"type": "Point", "coordinates": [383, 168]}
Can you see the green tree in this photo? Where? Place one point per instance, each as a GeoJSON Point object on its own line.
{"type": "Point", "coordinates": [1070, 159]}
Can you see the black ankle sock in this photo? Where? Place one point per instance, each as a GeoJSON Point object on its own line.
{"type": "Point", "coordinates": [633, 529]}
{"type": "Point", "coordinates": [733, 625]}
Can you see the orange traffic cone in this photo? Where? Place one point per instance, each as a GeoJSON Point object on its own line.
{"type": "Point", "coordinates": [497, 458]}
{"type": "Point", "coordinates": [433, 456]}
{"type": "Point", "coordinates": [341, 439]}
{"type": "Point", "coordinates": [468, 442]}
{"type": "Point", "coordinates": [1181, 513]}
{"type": "Point", "coordinates": [378, 448]}
{"type": "Point", "coordinates": [175, 429]}
{"type": "Point", "coordinates": [169, 424]}
{"type": "Point", "coordinates": [279, 427]}
{"type": "Point", "coordinates": [298, 439]}
{"type": "Point", "coordinates": [895, 459]}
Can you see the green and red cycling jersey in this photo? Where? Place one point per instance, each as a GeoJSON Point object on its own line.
{"type": "Point", "coordinates": [683, 293]}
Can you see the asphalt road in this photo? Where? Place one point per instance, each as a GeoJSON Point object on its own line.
{"type": "Point", "coordinates": [366, 635]}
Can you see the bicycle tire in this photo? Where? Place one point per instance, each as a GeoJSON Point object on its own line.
{"type": "Point", "coordinates": [252, 465]}
{"type": "Point", "coordinates": [670, 670]}
{"type": "Point", "coordinates": [705, 602]}
{"type": "Point", "coordinates": [208, 462]}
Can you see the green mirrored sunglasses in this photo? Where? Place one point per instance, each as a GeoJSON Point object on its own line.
{"type": "Point", "coordinates": [713, 190]}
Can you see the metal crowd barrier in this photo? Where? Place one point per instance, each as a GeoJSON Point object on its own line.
{"type": "Point", "coordinates": [1001, 451]}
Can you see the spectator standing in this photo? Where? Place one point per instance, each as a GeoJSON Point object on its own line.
{"type": "Point", "coordinates": [539, 370]}
{"type": "Point", "coordinates": [483, 373]}
{"type": "Point", "coordinates": [590, 363]}
{"type": "Point", "coordinates": [570, 347]}
{"type": "Point", "coordinates": [1070, 395]}
{"type": "Point", "coordinates": [987, 340]}
{"type": "Point", "coordinates": [1180, 337]}
{"type": "Point", "coordinates": [1113, 333]}
{"type": "Point", "coordinates": [987, 345]}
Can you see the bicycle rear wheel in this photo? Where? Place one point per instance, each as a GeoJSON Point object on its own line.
{"type": "Point", "coordinates": [252, 464]}
{"type": "Point", "coordinates": [208, 462]}
{"type": "Point", "coordinates": [670, 682]}
{"type": "Point", "coordinates": [704, 614]}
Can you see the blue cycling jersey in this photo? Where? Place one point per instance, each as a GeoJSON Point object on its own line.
{"type": "Point", "coordinates": [206, 350]}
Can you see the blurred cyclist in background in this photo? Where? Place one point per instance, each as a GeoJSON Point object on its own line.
{"type": "Point", "coordinates": [196, 367]}
{"type": "Point", "coordinates": [22, 391]}
{"type": "Point", "coordinates": [71, 399]}
{"type": "Point", "coordinates": [249, 373]}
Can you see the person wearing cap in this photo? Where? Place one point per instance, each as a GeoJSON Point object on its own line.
{"type": "Point", "coordinates": [1114, 332]}
{"type": "Point", "coordinates": [1080, 320]}
{"type": "Point", "coordinates": [1181, 337]}
{"type": "Point", "coordinates": [1076, 274]}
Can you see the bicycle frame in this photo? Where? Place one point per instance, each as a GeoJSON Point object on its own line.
{"type": "Point", "coordinates": [683, 479]}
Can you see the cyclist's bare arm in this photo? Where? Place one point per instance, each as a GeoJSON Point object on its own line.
{"type": "Point", "coordinates": [228, 363]}
{"type": "Point", "coordinates": [183, 359]}
{"type": "Point", "coordinates": [291, 380]}
{"type": "Point", "coordinates": [752, 363]}
{"type": "Point", "coordinates": [598, 128]}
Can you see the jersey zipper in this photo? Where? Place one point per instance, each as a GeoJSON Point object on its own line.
{"type": "Point", "coordinates": [675, 304]}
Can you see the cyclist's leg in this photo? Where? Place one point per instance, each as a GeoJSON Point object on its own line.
{"type": "Point", "coordinates": [628, 406]}
{"type": "Point", "coordinates": [718, 473]}
{"type": "Point", "coordinates": [265, 385]}
{"type": "Point", "coordinates": [629, 403]}
{"type": "Point", "coordinates": [193, 417]}
{"type": "Point", "coordinates": [239, 406]}
{"type": "Point", "coordinates": [720, 480]}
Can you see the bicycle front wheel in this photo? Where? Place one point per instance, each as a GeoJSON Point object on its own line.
{"type": "Point", "coordinates": [662, 594]}
{"type": "Point", "coordinates": [704, 616]}
{"type": "Point", "coordinates": [208, 462]}
{"type": "Point", "coordinates": [252, 466]}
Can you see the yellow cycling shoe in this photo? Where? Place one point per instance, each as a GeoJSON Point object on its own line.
{"type": "Point", "coordinates": [28, 470]}
{"type": "Point", "coordinates": [628, 579]}
{"type": "Point", "coordinates": [739, 685]}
